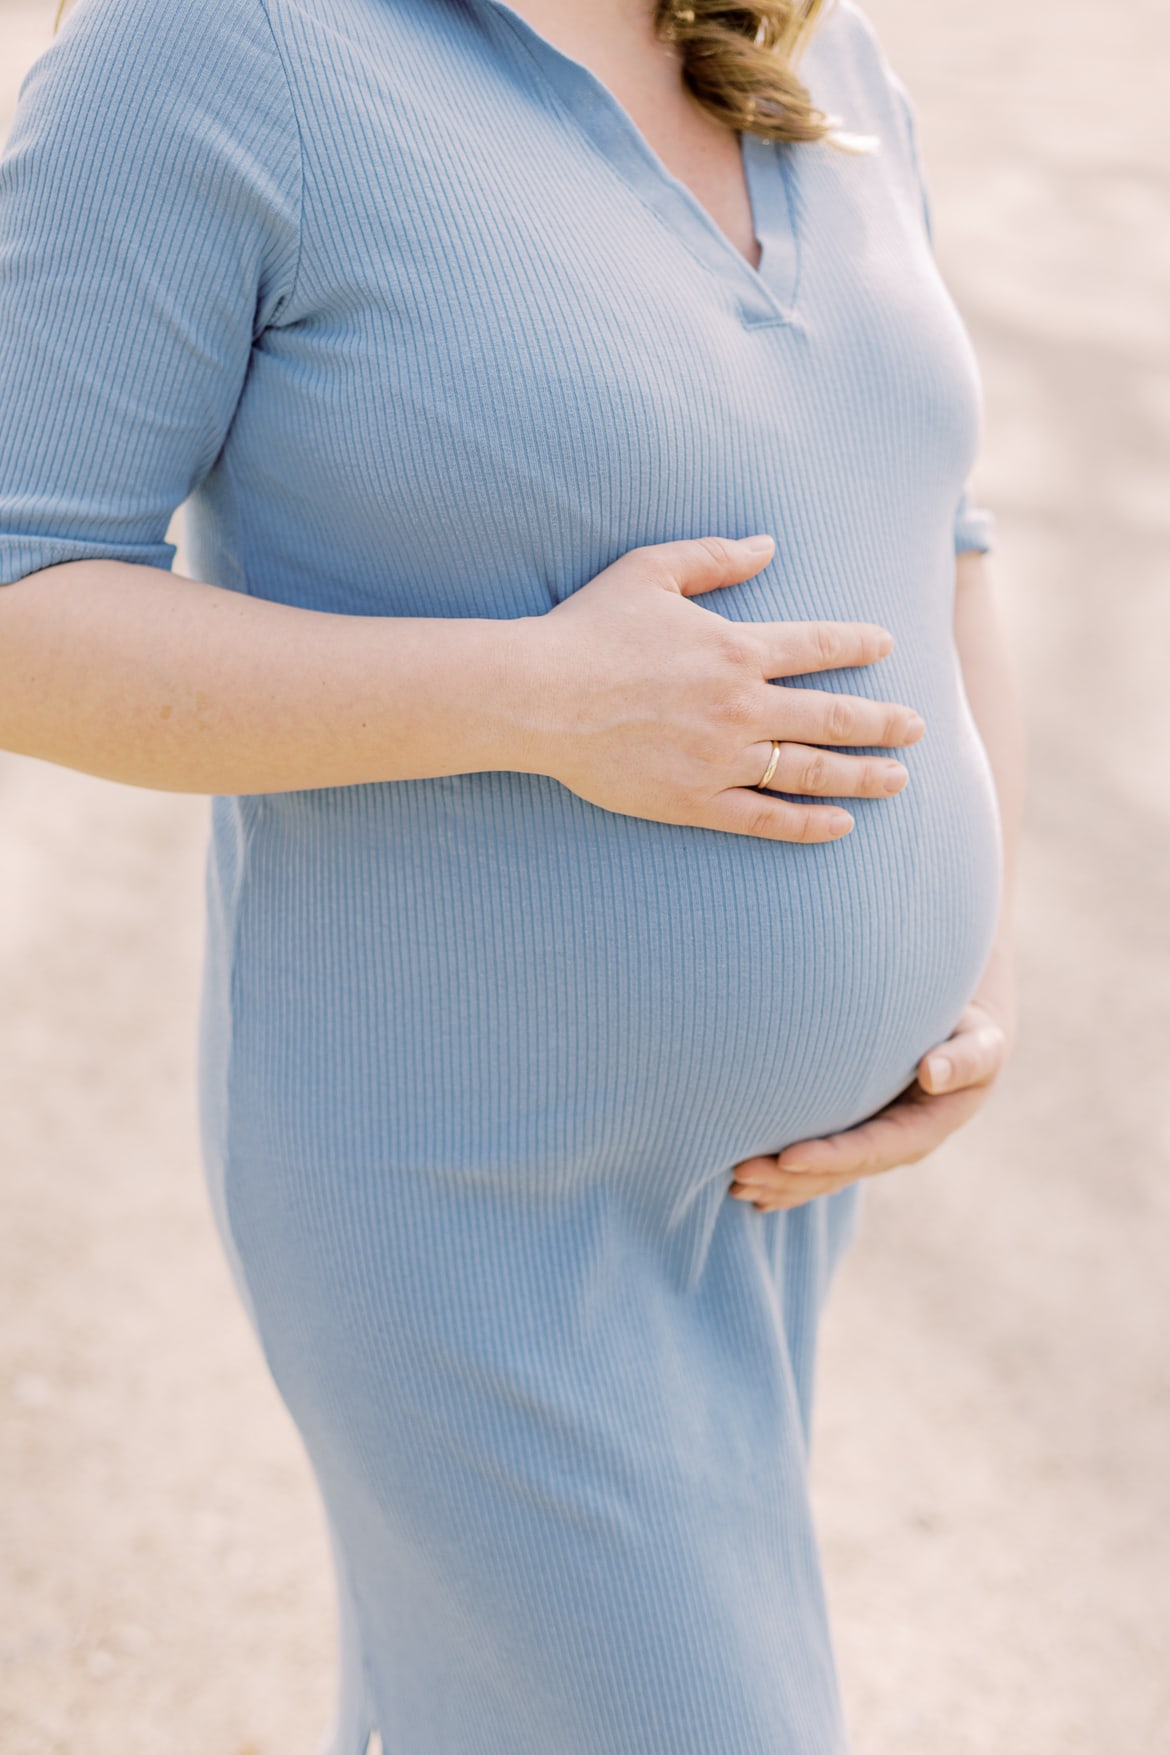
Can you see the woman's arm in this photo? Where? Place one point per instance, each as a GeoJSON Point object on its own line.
{"type": "Point", "coordinates": [634, 696]}
{"type": "Point", "coordinates": [955, 1077]}
{"type": "Point", "coordinates": [146, 677]}
{"type": "Point", "coordinates": [151, 232]}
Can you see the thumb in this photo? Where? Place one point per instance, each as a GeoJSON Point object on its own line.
{"type": "Point", "coordinates": [708, 561]}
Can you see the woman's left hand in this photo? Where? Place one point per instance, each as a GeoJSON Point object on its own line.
{"type": "Point", "coordinates": [952, 1082]}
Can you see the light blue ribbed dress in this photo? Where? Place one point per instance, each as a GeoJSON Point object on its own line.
{"type": "Point", "coordinates": [399, 296]}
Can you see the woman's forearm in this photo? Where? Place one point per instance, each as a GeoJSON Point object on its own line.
{"type": "Point", "coordinates": [628, 692]}
{"type": "Point", "coordinates": [989, 680]}
{"type": "Point", "coordinates": [147, 677]}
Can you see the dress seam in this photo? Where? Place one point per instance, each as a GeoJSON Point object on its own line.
{"type": "Point", "coordinates": [289, 296]}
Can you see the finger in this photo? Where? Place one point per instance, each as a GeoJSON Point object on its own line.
{"type": "Point", "coordinates": [820, 773]}
{"type": "Point", "coordinates": [744, 811]}
{"type": "Point", "coordinates": [705, 563]}
{"type": "Point", "coordinates": [847, 1153]}
{"type": "Point", "coordinates": [800, 648]}
{"type": "Point", "coordinates": [797, 1192]}
{"type": "Point", "coordinates": [971, 1057]}
{"type": "Point", "coordinates": [795, 715]}
{"type": "Point", "coordinates": [762, 1176]}
{"type": "Point", "coordinates": [903, 1132]}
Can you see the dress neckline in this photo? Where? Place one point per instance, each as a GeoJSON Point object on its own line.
{"type": "Point", "coordinates": [764, 294]}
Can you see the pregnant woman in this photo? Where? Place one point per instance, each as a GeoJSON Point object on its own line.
{"type": "Point", "coordinates": [590, 652]}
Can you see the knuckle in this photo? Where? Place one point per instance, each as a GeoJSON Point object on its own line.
{"type": "Point", "coordinates": [805, 827]}
{"type": "Point", "coordinates": [733, 646]}
{"type": "Point", "coordinates": [732, 709]}
{"type": "Point", "coordinates": [874, 777]}
{"type": "Point", "coordinates": [715, 547]}
{"type": "Point", "coordinates": [764, 821]}
{"type": "Point", "coordinates": [814, 774]}
{"type": "Point", "coordinates": [708, 749]}
{"type": "Point", "coordinates": [842, 720]}
{"type": "Point", "coordinates": [826, 642]}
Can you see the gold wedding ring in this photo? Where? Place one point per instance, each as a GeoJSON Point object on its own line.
{"type": "Point", "coordinates": [771, 768]}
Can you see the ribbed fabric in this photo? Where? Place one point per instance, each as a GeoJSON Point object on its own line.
{"type": "Point", "coordinates": [399, 295]}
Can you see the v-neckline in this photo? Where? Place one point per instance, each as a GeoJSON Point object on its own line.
{"type": "Point", "coordinates": [766, 293]}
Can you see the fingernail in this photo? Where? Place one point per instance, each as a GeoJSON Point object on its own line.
{"type": "Point", "coordinates": [755, 545]}
{"type": "Point", "coordinates": [895, 777]}
{"type": "Point", "coordinates": [916, 725]}
{"type": "Point", "coordinates": [940, 1069]}
{"type": "Point", "coordinates": [840, 823]}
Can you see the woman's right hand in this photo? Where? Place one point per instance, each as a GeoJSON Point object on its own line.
{"type": "Point", "coordinates": [652, 706]}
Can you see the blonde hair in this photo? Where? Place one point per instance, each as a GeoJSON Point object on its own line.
{"type": "Point", "coordinates": [739, 63]}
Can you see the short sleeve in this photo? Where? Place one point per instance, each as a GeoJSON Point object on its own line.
{"type": "Point", "coordinates": [149, 230]}
{"type": "Point", "coordinates": [974, 525]}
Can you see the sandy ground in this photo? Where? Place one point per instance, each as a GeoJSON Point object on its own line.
{"type": "Point", "coordinates": [993, 1453]}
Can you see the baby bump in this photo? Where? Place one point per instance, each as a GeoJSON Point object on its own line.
{"type": "Point", "coordinates": [489, 976]}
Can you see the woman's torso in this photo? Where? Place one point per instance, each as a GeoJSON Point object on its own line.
{"type": "Point", "coordinates": [516, 349]}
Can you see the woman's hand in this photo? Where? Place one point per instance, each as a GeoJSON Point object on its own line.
{"type": "Point", "coordinates": [647, 704]}
{"type": "Point", "coordinates": [953, 1081]}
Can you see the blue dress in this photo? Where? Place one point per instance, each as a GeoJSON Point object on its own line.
{"type": "Point", "coordinates": [399, 298]}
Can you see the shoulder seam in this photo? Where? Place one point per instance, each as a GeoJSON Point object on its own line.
{"type": "Point", "coordinates": [288, 297]}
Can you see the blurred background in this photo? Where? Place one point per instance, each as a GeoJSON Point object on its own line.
{"type": "Point", "coordinates": [992, 1459]}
